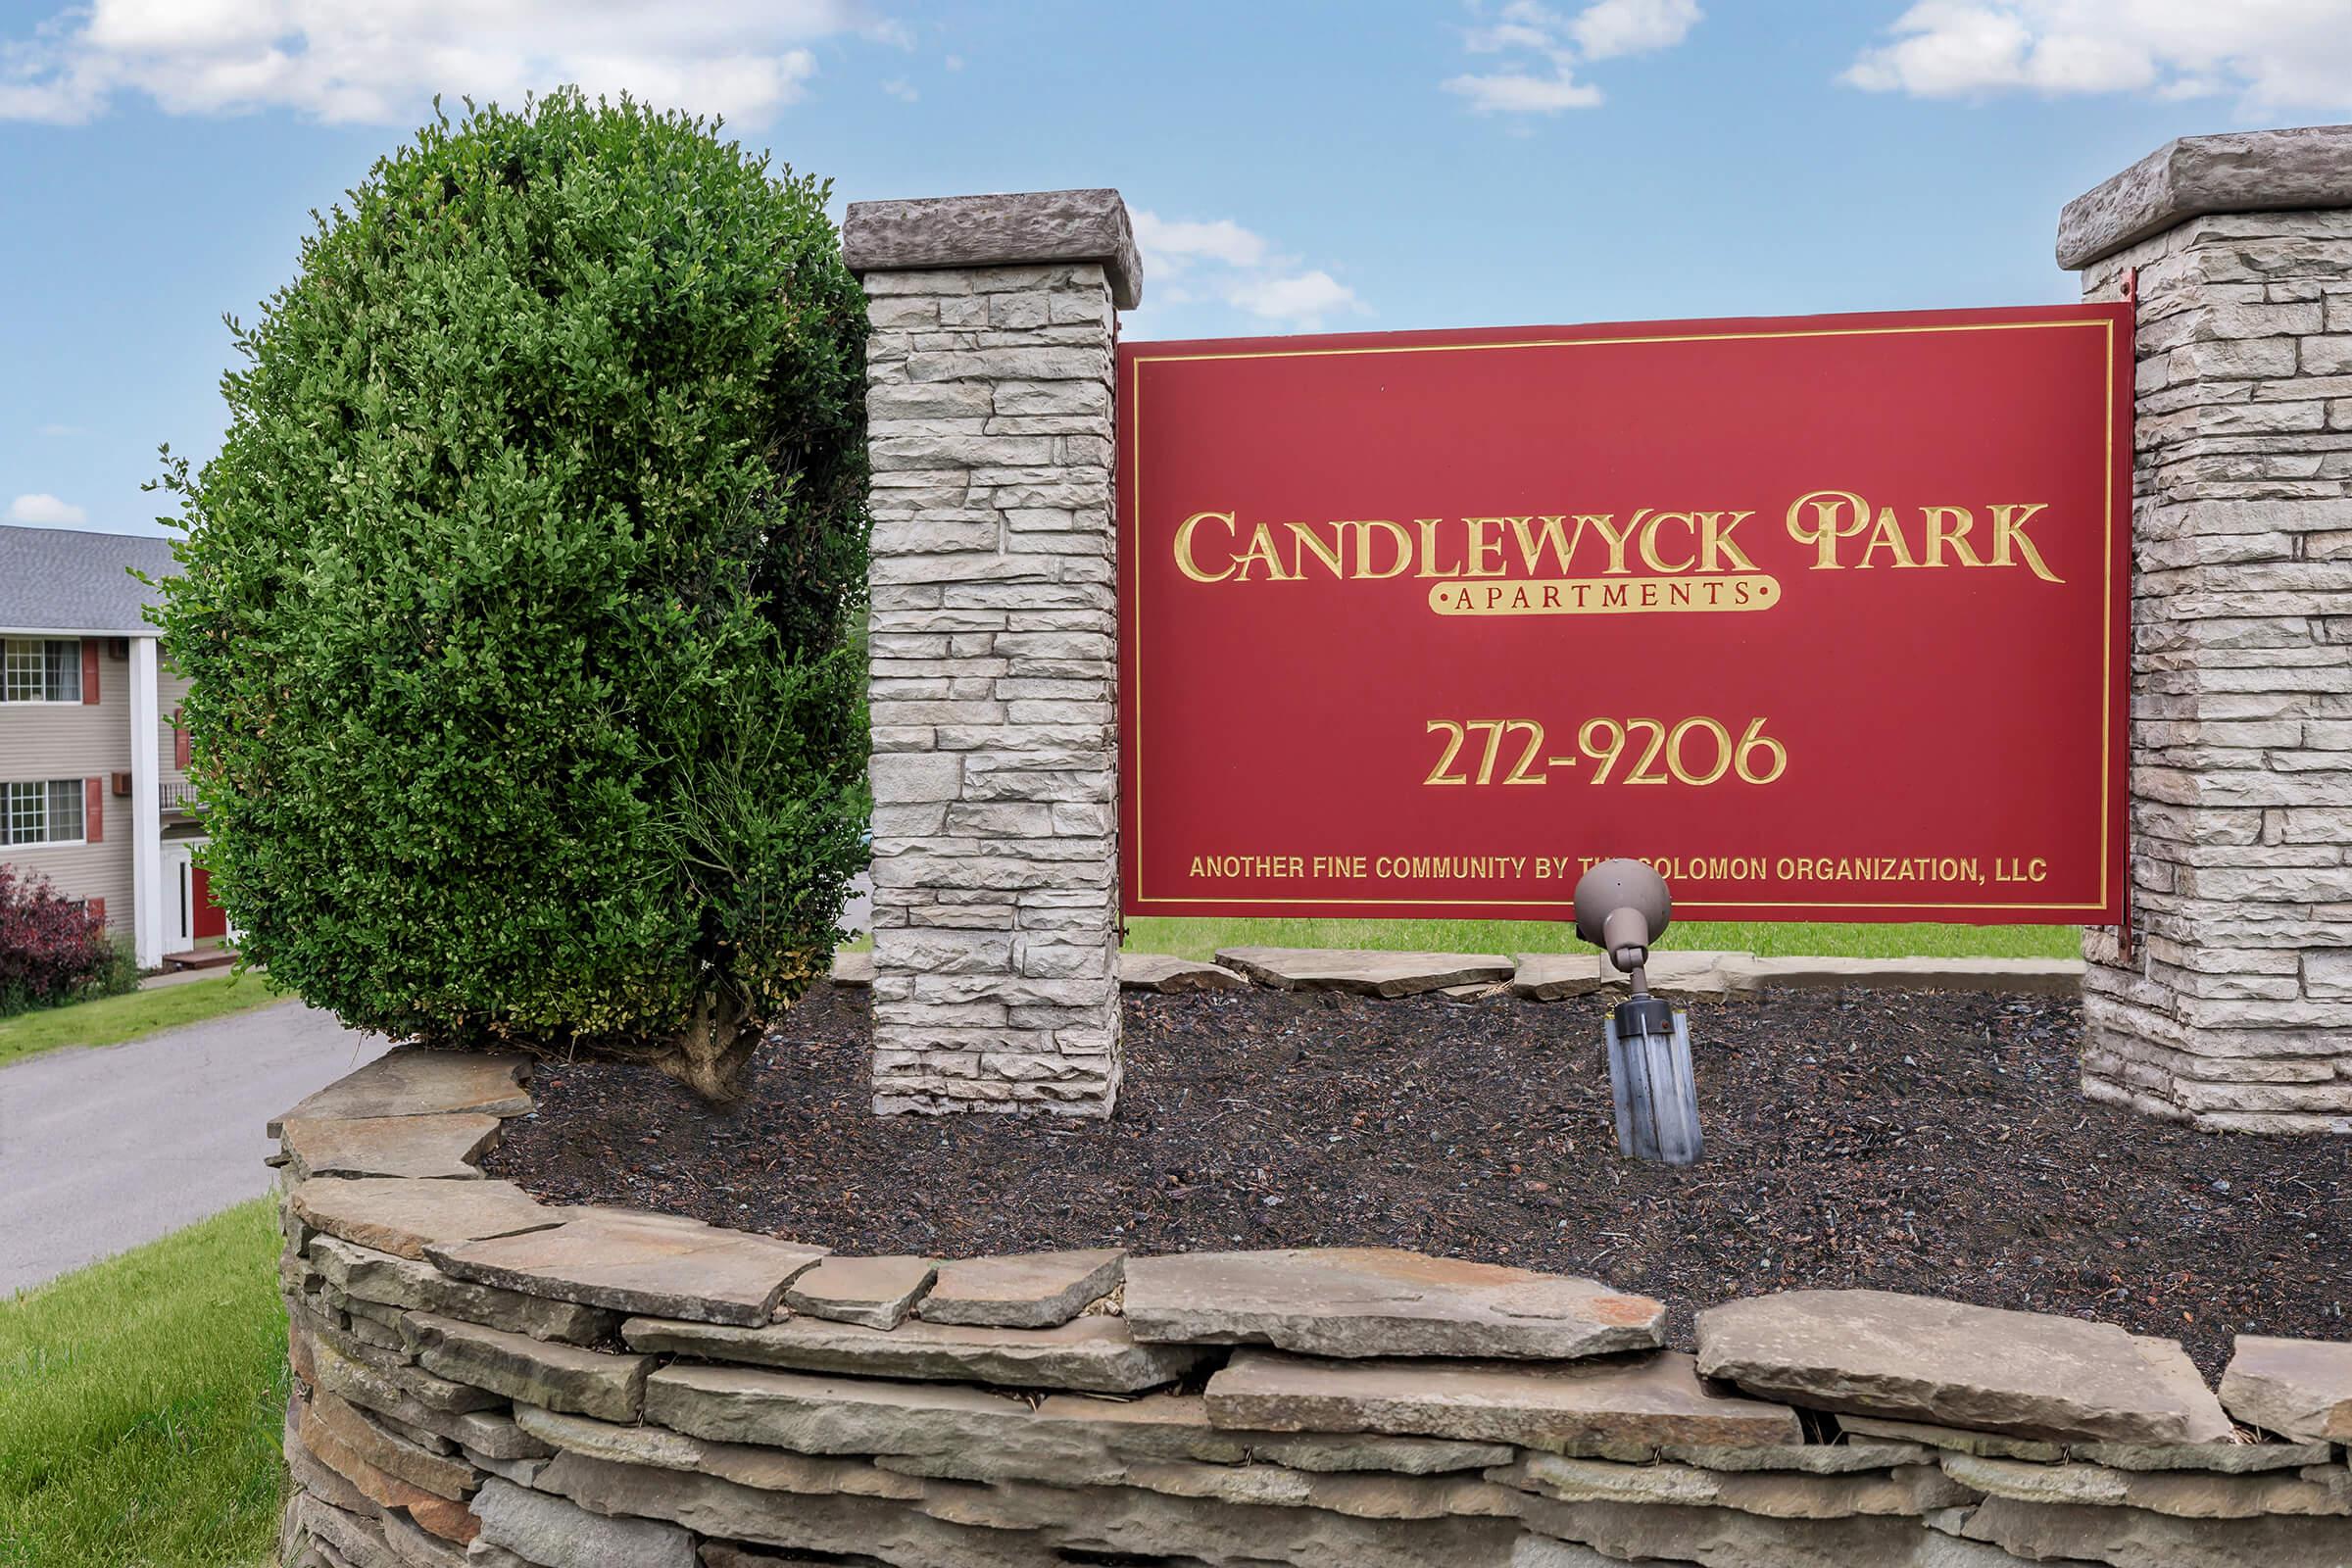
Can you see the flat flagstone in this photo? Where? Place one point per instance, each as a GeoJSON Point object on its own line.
{"type": "Point", "coordinates": [541, 1372]}
{"type": "Point", "coordinates": [2224, 1458]}
{"type": "Point", "coordinates": [1096, 1354]}
{"type": "Point", "coordinates": [2041, 976]}
{"type": "Point", "coordinates": [745, 1464]}
{"type": "Point", "coordinates": [1550, 976]}
{"type": "Point", "coordinates": [435, 1472]}
{"type": "Point", "coordinates": [544, 1529]}
{"type": "Point", "coordinates": [2299, 1388]}
{"type": "Point", "coordinates": [1810, 1458]}
{"type": "Point", "coordinates": [2187, 1493]}
{"type": "Point", "coordinates": [1364, 971]}
{"type": "Point", "coordinates": [367, 1276]}
{"type": "Point", "coordinates": [1370, 1301]}
{"type": "Point", "coordinates": [441, 1148]}
{"type": "Point", "coordinates": [1921, 1358]}
{"type": "Point", "coordinates": [444, 1517]}
{"type": "Point", "coordinates": [1553, 976]}
{"type": "Point", "coordinates": [1165, 971]}
{"type": "Point", "coordinates": [657, 1264]}
{"type": "Point", "coordinates": [853, 968]}
{"type": "Point", "coordinates": [414, 1081]}
{"type": "Point", "coordinates": [1022, 1291]}
{"type": "Point", "coordinates": [863, 1417]}
{"type": "Point", "coordinates": [1563, 1408]}
{"type": "Point", "coordinates": [876, 1293]}
{"type": "Point", "coordinates": [2077, 1533]}
{"type": "Point", "coordinates": [1778, 1494]}
{"type": "Point", "coordinates": [1990, 1445]}
{"type": "Point", "coordinates": [402, 1216]}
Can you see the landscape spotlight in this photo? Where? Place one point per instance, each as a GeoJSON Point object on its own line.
{"type": "Point", "coordinates": [1622, 907]}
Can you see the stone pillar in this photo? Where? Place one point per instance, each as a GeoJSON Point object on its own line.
{"type": "Point", "coordinates": [2231, 1004]}
{"type": "Point", "coordinates": [995, 647]}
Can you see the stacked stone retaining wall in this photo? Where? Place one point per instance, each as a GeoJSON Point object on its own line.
{"type": "Point", "coordinates": [484, 1380]}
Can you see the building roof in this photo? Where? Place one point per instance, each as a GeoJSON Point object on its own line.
{"type": "Point", "coordinates": [73, 580]}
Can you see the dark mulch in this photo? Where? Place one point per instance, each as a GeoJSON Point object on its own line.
{"type": "Point", "coordinates": [1909, 1141]}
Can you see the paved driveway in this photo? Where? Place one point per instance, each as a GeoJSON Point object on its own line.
{"type": "Point", "coordinates": [101, 1150]}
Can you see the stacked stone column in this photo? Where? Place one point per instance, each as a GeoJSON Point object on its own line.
{"type": "Point", "coordinates": [2231, 1003]}
{"type": "Point", "coordinates": [993, 647]}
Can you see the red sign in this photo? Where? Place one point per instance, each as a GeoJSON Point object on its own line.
{"type": "Point", "coordinates": [1824, 616]}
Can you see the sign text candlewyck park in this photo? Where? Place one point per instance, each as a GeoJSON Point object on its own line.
{"type": "Point", "coordinates": [1823, 616]}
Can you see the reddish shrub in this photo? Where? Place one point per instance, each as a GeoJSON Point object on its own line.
{"type": "Point", "coordinates": [52, 948]}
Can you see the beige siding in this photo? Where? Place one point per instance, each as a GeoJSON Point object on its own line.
{"type": "Point", "coordinates": [82, 739]}
{"type": "Point", "coordinates": [85, 870]}
{"type": "Point", "coordinates": [170, 691]}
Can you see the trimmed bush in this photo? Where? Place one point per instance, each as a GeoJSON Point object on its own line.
{"type": "Point", "coordinates": [520, 604]}
{"type": "Point", "coordinates": [53, 949]}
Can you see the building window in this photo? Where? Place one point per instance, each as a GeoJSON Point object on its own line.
{"type": "Point", "coordinates": [41, 669]}
{"type": "Point", "coordinates": [45, 811]}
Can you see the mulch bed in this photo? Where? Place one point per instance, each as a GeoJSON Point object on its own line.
{"type": "Point", "coordinates": [1910, 1141]}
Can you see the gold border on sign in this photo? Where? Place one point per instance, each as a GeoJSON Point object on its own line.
{"type": "Point", "coordinates": [1135, 621]}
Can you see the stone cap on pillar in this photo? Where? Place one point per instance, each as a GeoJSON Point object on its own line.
{"type": "Point", "coordinates": [1018, 230]}
{"type": "Point", "coordinates": [2235, 172]}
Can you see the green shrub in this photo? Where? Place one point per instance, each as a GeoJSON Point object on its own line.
{"type": "Point", "coordinates": [518, 604]}
{"type": "Point", "coordinates": [118, 974]}
{"type": "Point", "coordinates": [53, 949]}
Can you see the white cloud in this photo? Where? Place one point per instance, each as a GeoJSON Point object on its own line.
{"type": "Point", "coordinates": [1216, 261]}
{"type": "Point", "coordinates": [1512, 92]}
{"type": "Point", "coordinates": [54, 430]}
{"type": "Point", "coordinates": [902, 89]}
{"type": "Point", "coordinates": [380, 62]}
{"type": "Point", "coordinates": [1222, 240]}
{"type": "Point", "coordinates": [2272, 54]}
{"type": "Point", "coordinates": [1547, 46]}
{"type": "Point", "coordinates": [1611, 28]}
{"type": "Point", "coordinates": [1299, 297]}
{"type": "Point", "coordinates": [47, 511]}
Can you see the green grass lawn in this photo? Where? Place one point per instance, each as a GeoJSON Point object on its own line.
{"type": "Point", "coordinates": [140, 1402]}
{"type": "Point", "coordinates": [1201, 938]}
{"type": "Point", "coordinates": [110, 1020]}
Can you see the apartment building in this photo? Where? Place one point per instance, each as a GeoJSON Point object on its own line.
{"type": "Point", "coordinates": [93, 762]}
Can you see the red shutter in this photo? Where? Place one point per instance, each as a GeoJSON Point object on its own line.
{"type": "Point", "coordinates": [179, 743]}
{"type": "Point", "coordinates": [93, 810]}
{"type": "Point", "coordinates": [89, 670]}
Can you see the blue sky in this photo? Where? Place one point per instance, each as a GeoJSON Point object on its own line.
{"type": "Point", "coordinates": [1293, 166]}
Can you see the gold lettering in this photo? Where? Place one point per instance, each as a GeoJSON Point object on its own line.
{"type": "Point", "coordinates": [1940, 534]}
{"type": "Point", "coordinates": [1617, 540]}
{"type": "Point", "coordinates": [1429, 549]}
{"type": "Point", "coordinates": [2009, 526]}
{"type": "Point", "coordinates": [1715, 542]}
{"type": "Point", "coordinates": [1650, 541]}
{"type": "Point", "coordinates": [1486, 545]}
{"type": "Point", "coordinates": [1310, 543]}
{"type": "Point", "coordinates": [1551, 536]}
{"type": "Point", "coordinates": [1886, 534]}
{"type": "Point", "coordinates": [1260, 551]}
{"type": "Point", "coordinates": [1363, 546]}
{"type": "Point", "coordinates": [1828, 505]}
{"type": "Point", "coordinates": [1184, 546]}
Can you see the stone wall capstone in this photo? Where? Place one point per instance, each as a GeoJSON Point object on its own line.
{"type": "Point", "coordinates": [2232, 1003]}
{"type": "Point", "coordinates": [482, 1381]}
{"type": "Point", "coordinates": [994, 645]}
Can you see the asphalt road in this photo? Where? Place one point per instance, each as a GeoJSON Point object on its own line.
{"type": "Point", "coordinates": [104, 1149]}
